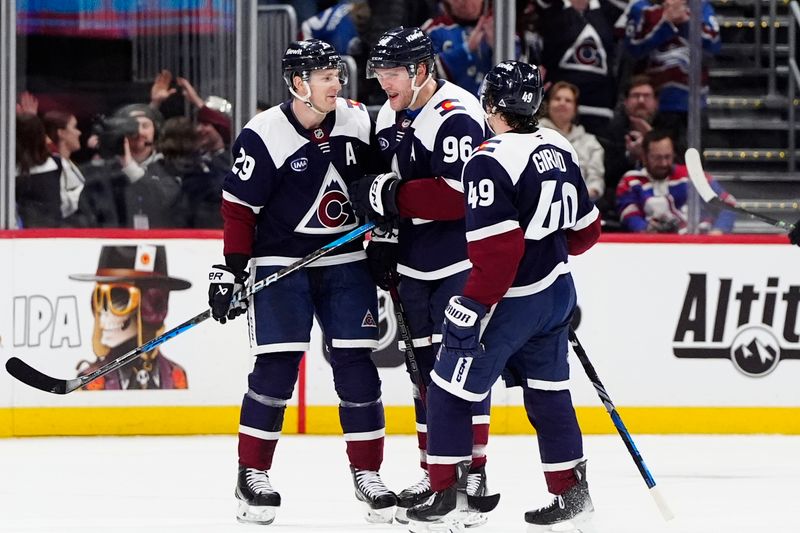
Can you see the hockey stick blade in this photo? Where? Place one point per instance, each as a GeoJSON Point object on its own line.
{"type": "Point", "coordinates": [25, 373]}
{"type": "Point", "coordinates": [32, 377]}
{"type": "Point", "coordinates": [698, 177]}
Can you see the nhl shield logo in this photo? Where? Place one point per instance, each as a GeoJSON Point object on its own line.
{"type": "Point", "coordinates": [318, 133]}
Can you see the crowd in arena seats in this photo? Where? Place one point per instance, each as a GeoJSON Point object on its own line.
{"type": "Point", "coordinates": [614, 74]}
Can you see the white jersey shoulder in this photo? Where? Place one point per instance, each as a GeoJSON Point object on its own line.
{"type": "Point", "coordinates": [548, 136]}
{"type": "Point", "coordinates": [277, 133]}
{"type": "Point", "coordinates": [352, 120]}
{"type": "Point", "coordinates": [386, 117]}
{"type": "Point", "coordinates": [450, 100]}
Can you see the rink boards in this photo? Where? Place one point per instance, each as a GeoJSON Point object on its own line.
{"type": "Point", "coordinates": [689, 335]}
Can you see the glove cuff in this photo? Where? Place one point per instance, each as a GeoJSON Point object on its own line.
{"type": "Point", "coordinates": [376, 198]}
{"type": "Point", "coordinates": [221, 274]}
{"type": "Point", "coordinates": [381, 234]}
{"type": "Point", "coordinates": [464, 312]}
{"type": "Point", "coordinates": [237, 262]}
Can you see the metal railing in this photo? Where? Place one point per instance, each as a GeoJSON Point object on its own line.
{"type": "Point", "coordinates": [794, 81]}
{"type": "Point", "coordinates": [277, 27]}
{"type": "Point", "coordinates": [8, 91]}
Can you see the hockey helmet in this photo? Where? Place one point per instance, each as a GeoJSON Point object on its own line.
{"type": "Point", "coordinates": [401, 47]}
{"type": "Point", "coordinates": [301, 57]}
{"type": "Point", "coordinates": [512, 87]}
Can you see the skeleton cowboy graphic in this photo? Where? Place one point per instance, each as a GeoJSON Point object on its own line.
{"type": "Point", "coordinates": [129, 302]}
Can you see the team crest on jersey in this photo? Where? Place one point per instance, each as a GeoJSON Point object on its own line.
{"type": "Point", "coordinates": [406, 123]}
{"type": "Point", "coordinates": [331, 211]}
{"type": "Point", "coordinates": [586, 54]}
{"type": "Point", "coordinates": [450, 104]}
{"type": "Point", "coordinates": [369, 320]}
{"type": "Point", "coordinates": [383, 143]}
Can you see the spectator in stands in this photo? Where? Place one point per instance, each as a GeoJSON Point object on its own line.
{"type": "Point", "coordinates": [201, 188]}
{"type": "Point", "coordinates": [351, 25]}
{"type": "Point", "coordinates": [37, 188]}
{"type": "Point", "coordinates": [578, 47]}
{"type": "Point", "coordinates": [561, 113]}
{"type": "Point", "coordinates": [657, 34]}
{"type": "Point", "coordinates": [654, 198]}
{"type": "Point", "coordinates": [463, 39]}
{"type": "Point", "coordinates": [622, 140]}
{"type": "Point", "coordinates": [62, 130]}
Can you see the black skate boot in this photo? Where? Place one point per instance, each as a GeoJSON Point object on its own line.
{"type": "Point", "coordinates": [449, 510]}
{"type": "Point", "coordinates": [413, 495]}
{"type": "Point", "coordinates": [572, 509]}
{"type": "Point", "coordinates": [476, 487]}
{"type": "Point", "coordinates": [379, 500]}
{"type": "Point", "coordinates": [257, 499]}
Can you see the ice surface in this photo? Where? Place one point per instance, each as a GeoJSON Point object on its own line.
{"type": "Point", "coordinates": [726, 484]}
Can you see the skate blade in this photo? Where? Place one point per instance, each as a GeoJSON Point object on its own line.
{"type": "Point", "coordinates": [475, 520]}
{"type": "Point", "coordinates": [253, 514]}
{"type": "Point", "coordinates": [579, 524]}
{"type": "Point", "coordinates": [400, 515]}
{"type": "Point", "coordinates": [435, 527]}
{"type": "Point", "coordinates": [378, 516]}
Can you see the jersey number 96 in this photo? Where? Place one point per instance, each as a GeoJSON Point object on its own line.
{"type": "Point", "coordinates": [455, 149]}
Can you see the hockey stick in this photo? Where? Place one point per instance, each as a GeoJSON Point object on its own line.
{"type": "Point", "coordinates": [408, 343]}
{"type": "Point", "coordinates": [700, 182]}
{"type": "Point", "coordinates": [620, 425]}
{"type": "Point", "coordinates": [34, 378]}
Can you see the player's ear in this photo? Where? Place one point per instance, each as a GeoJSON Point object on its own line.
{"type": "Point", "coordinates": [298, 85]}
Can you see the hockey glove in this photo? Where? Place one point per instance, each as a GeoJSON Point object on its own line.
{"type": "Point", "coordinates": [462, 327]}
{"type": "Point", "coordinates": [382, 263]}
{"type": "Point", "coordinates": [794, 235]}
{"type": "Point", "coordinates": [374, 197]}
{"type": "Point", "coordinates": [224, 282]}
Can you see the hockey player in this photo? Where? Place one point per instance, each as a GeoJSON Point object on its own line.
{"type": "Point", "coordinates": [426, 130]}
{"type": "Point", "coordinates": [527, 209]}
{"type": "Point", "coordinates": [285, 197]}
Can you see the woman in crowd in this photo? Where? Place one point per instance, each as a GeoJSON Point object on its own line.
{"type": "Point", "coordinates": [561, 114]}
{"type": "Point", "coordinates": [37, 186]}
{"type": "Point", "coordinates": [62, 130]}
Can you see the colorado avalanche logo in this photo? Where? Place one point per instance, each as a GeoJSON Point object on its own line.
{"type": "Point", "coordinates": [383, 142]}
{"type": "Point", "coordinates": [331, 211]}
{"type": "Point", "coordinates": [586, 54]}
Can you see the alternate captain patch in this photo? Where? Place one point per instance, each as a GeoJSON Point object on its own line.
{"type": "Point", "coordinates": [369, 321]}
{"type": "Point", "coordinates": [451, 104]}
{"type": "Point", "coordinates": [488, 145]}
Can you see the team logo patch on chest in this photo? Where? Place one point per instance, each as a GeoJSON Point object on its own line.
{"type": "Point", "coordinates": [331, 211]}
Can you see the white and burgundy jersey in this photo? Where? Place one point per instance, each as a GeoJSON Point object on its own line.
{"type": "Point", "coordinates": [431, 144]}
{"type": "Point", "coordinates": [286, 195]}
{"type": "Point", "coordinates": [529, 183]}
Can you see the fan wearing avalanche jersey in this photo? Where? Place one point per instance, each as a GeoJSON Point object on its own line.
{"type": "Point", "coordinates": [527, 209]}
{"type": "Point", "coordinates": [426, 131]}
{"type": "Point", "coordinates": [285, 197]}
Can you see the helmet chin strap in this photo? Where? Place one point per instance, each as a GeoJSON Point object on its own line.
{"type": "Point", "coordinates": [306, 99]}
{"type": "Point", "coordinates": [486, 115]}
{"type": "Point", "coordinates": [416, 89]}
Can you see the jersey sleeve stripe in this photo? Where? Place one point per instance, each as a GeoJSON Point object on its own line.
{"type": "Point", "coordinates": [231, 198]}
{"type": "Point", "coordinates": [490, 231]}
{"type": "Point", "coordinates": [586, 220]}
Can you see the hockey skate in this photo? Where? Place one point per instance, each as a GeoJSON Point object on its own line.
{"type": "Point", "coordinates": [452, 509]}
{"type": "Point", "coordinates": [257, 499]}
{"type": "Point", "coordinates": [379, 501]}
{"type": "Point", "coordinates": [416, 494]}
{"type": "Point", "coordinates": [569, 512]}
{"type": "Point", "coordinates": [476, 486]}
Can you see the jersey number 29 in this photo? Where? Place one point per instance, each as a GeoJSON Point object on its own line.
{"type": "Point", "coordinates": [550, 212]}
{"type": "Point", "coordinates": [243, 166]}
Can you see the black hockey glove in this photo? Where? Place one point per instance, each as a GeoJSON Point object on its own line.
{"type": "Point", "coordinates": [374, 197]}
{"type": "Point", "coordinates": [382, 263]}
{"type": "Point", "coordinates": [794, 235]}
{"type": "Point", "coordinates": [224, 282]}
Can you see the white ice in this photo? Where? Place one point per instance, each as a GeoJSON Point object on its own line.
{"type": "Point", "coordinates": [726, 484]}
